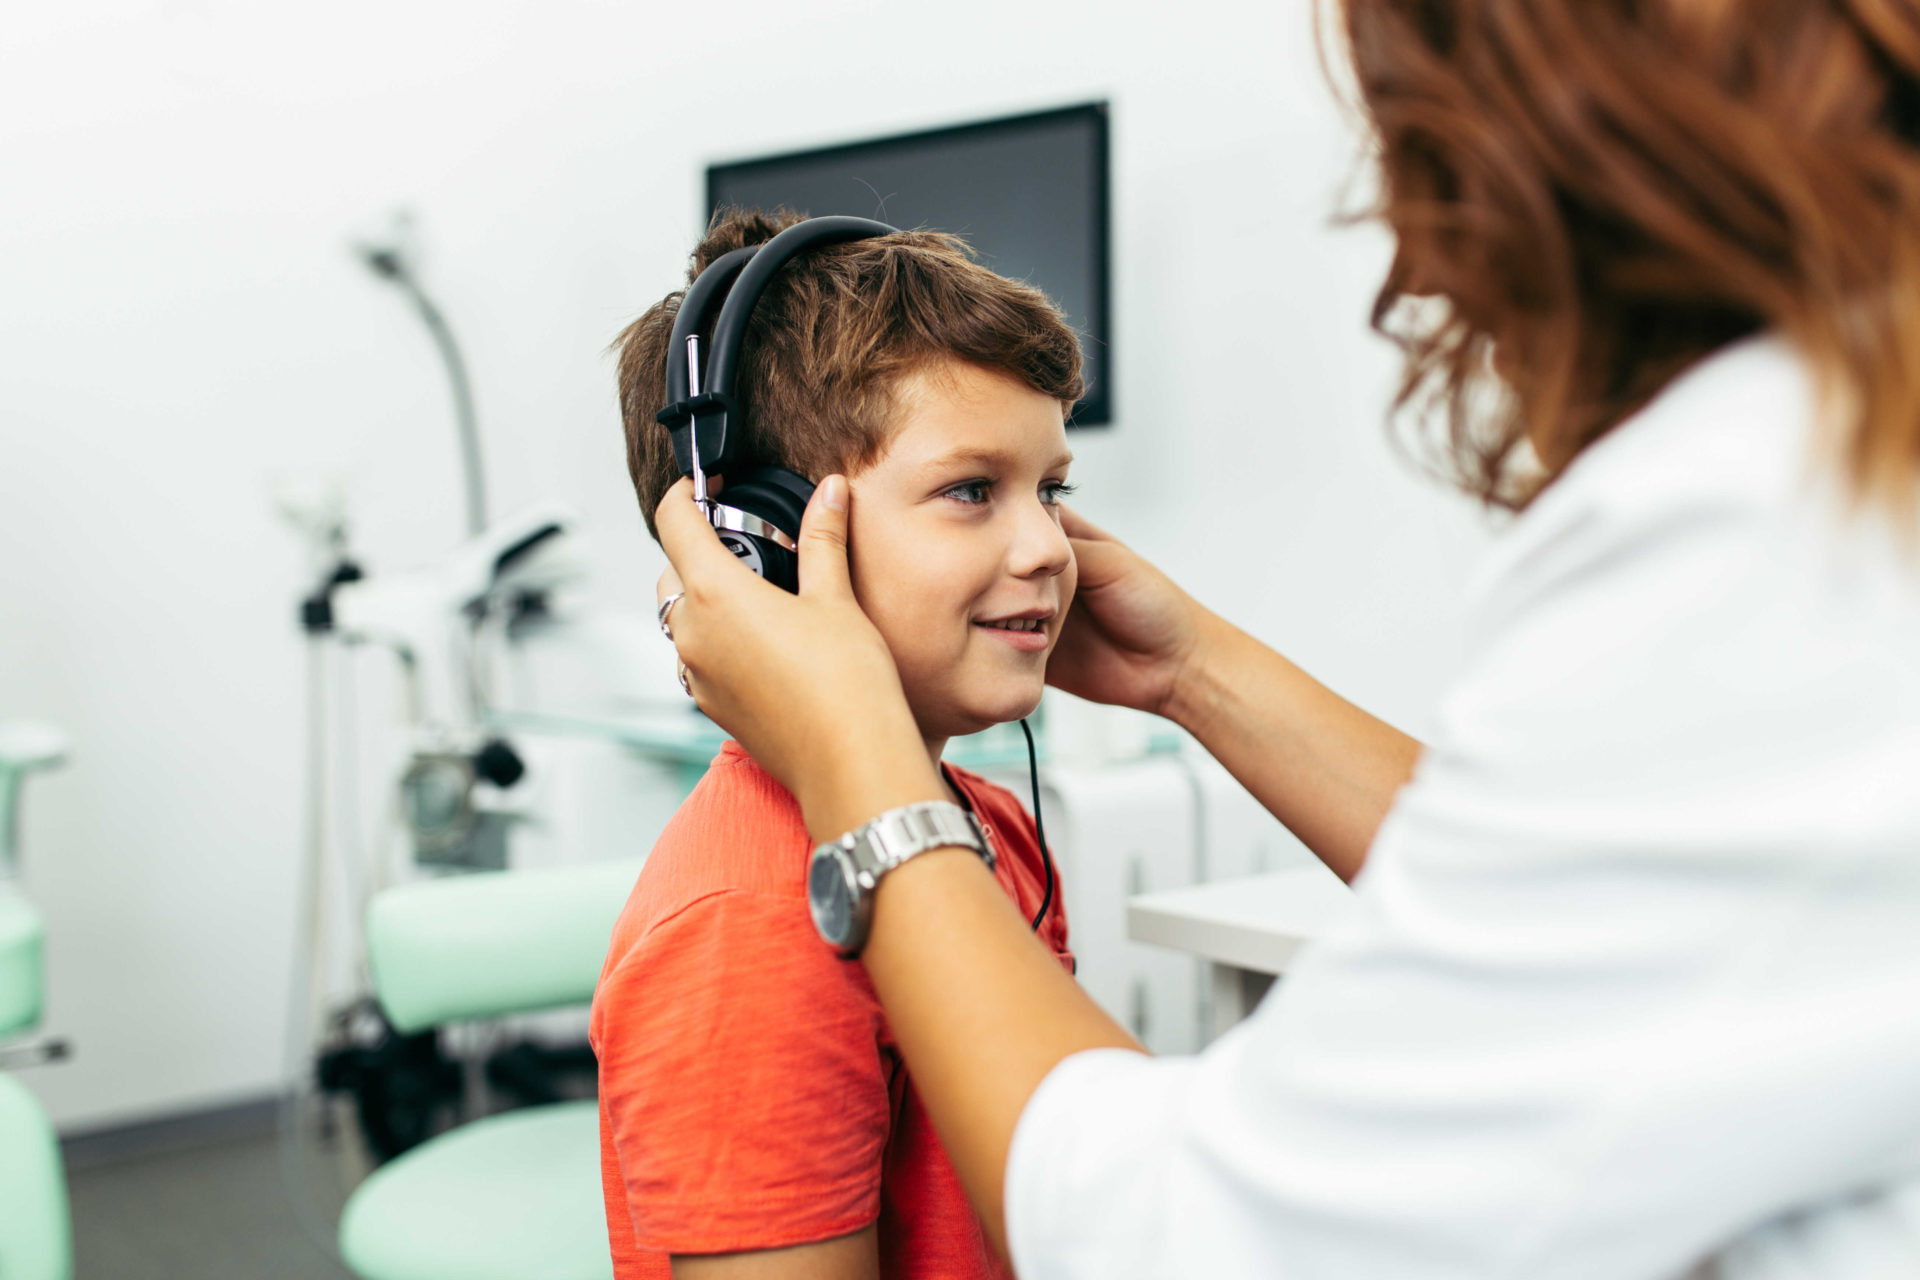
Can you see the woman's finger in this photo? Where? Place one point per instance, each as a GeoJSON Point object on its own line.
{"type": "Point", "coordinates": [1075, 525]}
{"type": "Point", "coordinates": [690, 542]}
{"type": "Point", "coordinates": [823, 541]}
{"type": "Point", "coordinates": [1099, 561]}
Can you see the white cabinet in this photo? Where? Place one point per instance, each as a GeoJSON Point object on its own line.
{"type": "Point", "coordinates": [1147, 826]}
{"type": "Point", "coordinates": [1116, 831]}
{"type": "Point", "coordinates": [1235, 835]}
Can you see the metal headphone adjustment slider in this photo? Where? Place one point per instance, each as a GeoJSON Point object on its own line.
{"type": "Point", "coordinates": [697, 425]}
{"type": "Point", "coordinates": [684, 419]}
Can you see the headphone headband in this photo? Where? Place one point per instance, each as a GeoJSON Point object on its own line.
{"type": "Point", "coordinates": [702, 296]}
{"type": "Point", "coordinates": [748, 271]}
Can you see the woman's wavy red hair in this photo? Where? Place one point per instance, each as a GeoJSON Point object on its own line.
{"type": "Point", "coordinates": [1590, 195]}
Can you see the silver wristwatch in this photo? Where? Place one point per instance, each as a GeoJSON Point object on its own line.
{"type": "Point", "coordinates": [843, 874]}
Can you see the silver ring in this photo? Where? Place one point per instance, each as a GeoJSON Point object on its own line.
{"type": "Point", "coordinates": [684, 683]}
{"type": "Point", "coordinates": [666, 607]}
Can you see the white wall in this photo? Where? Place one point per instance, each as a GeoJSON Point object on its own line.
{"type": "Point", "coordinates": [182, 322]}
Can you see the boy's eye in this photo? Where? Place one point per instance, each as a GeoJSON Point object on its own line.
{"type": "Point", "coordinates": [976, 492]}
{"type": "Point", "coordinates": [971, 492]}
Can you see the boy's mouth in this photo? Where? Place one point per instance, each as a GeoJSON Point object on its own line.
{"type": "Point", "coordinates": [1026, 631]}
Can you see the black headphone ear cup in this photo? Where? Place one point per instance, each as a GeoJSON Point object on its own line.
{"type": "Point", "coordinates": [779, 497]}
{"type": "Point", "coordinates": [775, 494]}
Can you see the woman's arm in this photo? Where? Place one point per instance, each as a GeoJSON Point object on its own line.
{"type": "Point", "coordinates": [982, 1012]}
{"type": "Point", "coordinates": [981, 1009]}
{"type": "Point", "coordinates": [1321, 765]}
{"type": "Point", "coordinates": [1327, 769]}
{"type": "Point", "coordinates": [850, 1257]}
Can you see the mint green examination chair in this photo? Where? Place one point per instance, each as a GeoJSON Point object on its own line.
{"type": "Point", "coordinates": [514, 1196]}
{"type": "Point", "coordinates": [36, 1238]}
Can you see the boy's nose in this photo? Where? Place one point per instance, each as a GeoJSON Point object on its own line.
{"type": "Point", "coordinates": [1040, 548]}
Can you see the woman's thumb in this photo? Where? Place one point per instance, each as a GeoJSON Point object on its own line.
{"type": "Point", "coordinates": [823, 541]}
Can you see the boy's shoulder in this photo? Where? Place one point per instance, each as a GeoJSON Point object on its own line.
{"type": "Point", "coordinates": [741, 832]}
{"type": "Point", "coordinates": [738, 831]}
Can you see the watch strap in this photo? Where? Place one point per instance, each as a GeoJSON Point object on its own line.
{"type": "Point", "coordinates": [882, 844]}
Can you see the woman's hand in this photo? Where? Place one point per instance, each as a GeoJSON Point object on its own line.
{"type": "Point", "coordinates": [1131, 633]}
{"type": "Point", "coordinates": [805, 681]}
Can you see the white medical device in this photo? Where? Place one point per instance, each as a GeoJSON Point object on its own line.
{"type": "Point", "coordinates": [432, 617]}
{"type": "Point", "coordinates": [438, 622]}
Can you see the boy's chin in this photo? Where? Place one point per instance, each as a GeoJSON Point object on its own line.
{"type": "Point", "coordinates": [974, 716]}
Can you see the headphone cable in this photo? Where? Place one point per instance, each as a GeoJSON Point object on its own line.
{"type": "Point", "coordinates": [1039, 827]}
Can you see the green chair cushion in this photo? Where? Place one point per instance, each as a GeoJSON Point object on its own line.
{"type": "Point", "coordinates": [493, 943]}
{"type": "Point", "coordinates": [35, 1239]}
{"type": "Point", "coordinates": [511, 1197]}
{"type": "Point", "coordinates": [21, 976]}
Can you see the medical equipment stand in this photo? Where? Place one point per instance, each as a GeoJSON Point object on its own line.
{"type": "Point", "coordinates": [36, 1241]}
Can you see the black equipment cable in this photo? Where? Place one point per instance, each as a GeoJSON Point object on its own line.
{"type": "Point", "coordinates": [1039, 827]}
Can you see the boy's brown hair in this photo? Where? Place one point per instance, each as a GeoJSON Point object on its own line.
{"type": "Point", "coordinates": [830, 340]}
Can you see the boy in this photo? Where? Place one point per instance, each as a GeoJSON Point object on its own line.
{"type": "Point", "coordinates": [755, 1117]}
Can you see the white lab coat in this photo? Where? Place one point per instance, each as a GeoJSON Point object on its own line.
{"type": "Point", "coordinates": [1634, 989]}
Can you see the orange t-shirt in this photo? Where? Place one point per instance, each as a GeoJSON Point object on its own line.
{"type": "Point", "coordinates": [751, 1095]}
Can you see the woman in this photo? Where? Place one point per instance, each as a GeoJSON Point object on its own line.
{"type": "Point", "coordinates": [1634, 989]}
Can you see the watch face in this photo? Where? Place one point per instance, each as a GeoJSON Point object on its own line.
{"type": "Point", "coordinates": [830, 898]}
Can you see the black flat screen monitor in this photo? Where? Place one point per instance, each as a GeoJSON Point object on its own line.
{"type": "Point", "coordinates": [1029, 193]}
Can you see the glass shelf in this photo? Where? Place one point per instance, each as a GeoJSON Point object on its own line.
{"type": "Point", "coordinates": [680, 735]}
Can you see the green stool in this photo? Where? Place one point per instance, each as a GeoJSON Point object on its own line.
{"type": "Point", "coordinates": [35, 1239]}
{"type": "Point", "coordinates": [514, 1196]}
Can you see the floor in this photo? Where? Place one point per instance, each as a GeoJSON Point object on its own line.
{"type": "Point", "coordinates": [213, 1211]}
{"type": "Point", "coordinates": [217, 1196]}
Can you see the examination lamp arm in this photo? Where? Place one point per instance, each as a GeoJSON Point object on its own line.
{"type": "Point", "coordinates": [390, 265]}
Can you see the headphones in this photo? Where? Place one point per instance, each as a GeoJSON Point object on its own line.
{"type": "Point", "coordinates": [759, 518]}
